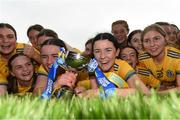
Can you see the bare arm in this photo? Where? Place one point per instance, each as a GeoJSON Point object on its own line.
{"type": "Point", "coordinates": [135, 82]}
{"type": "Point", "coordinates": [176, 89]}
{"type": "Point", "coordinates": [67, 79]}
{"type": "Point", "coordinates": [96, 93]}
{"type": "Point", "coordinates": [40, 84]}
{"type": "Point", "coordinates": [178, 82]}
{"type": "Point", "coordinates": [125, 91]}
{"type": "Point", "coordinates": [94, 84]}
{"type": "Point", "coordinates": [32, 53]}
{"type": "Point", "coordinates": [3, 89]}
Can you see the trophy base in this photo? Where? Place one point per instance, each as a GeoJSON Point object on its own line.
{"type": "Point", "coordinates": [65, 92]}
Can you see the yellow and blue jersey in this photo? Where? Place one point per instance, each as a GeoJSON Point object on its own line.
{"type": "Point", "coordinates": [120, 73]}
{"type": "Point", "coordinates": [166, 71]}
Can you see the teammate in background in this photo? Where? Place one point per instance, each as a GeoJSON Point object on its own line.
{"type": "Point", "coordinates": [120, 30]}
{"type": "Point", "coordinates": [171, 32]}
{"type": "Point", "coordinates": [22, 75]}
{"type": "Point", "coordinates": [105, 50]}
{"type": "Point", "coordinates": [32, 33]}
{"type": "Point", "coordinates": [134, 40]}
{"type": "Point", "coordinates": [45, 34]}
{"type": "Point", "coordinates": [49, 34]}
{"type": "Point", "coordinates": [9, 47]}
{"type": "Point", "coordinates": [178, 39]}
{"type": "Point", "coordinates": [162, 61]}
{"type": "Point", "coordinates": [175, 27]}
{"type": "Point", "coordinates": [130, 55]}
{"type": "Point", "coordinates": [88, 48]}
{"type": "Point", "coordinates": [174, 36]}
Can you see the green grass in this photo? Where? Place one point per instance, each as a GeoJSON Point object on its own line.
{"type": "Point", "coordinates": [135, 106]}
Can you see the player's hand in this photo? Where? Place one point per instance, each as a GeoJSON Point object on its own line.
{"type": "Point", "coordinates": [67, 79]}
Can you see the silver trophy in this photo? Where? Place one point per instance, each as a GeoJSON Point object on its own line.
{"type": "Point", "coordinates": [73, 61]}
{"type": "Point", "coordinates": [76, 60]}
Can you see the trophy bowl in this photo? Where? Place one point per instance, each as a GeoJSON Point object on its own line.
{"type": "Point", "coordinates": [76, 60]}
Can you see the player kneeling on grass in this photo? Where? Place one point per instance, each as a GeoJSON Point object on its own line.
{"type": "Point", "coordinates": [22, 76]}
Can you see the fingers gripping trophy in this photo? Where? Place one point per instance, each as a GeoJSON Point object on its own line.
{"type": "Point", "coordinates": [66, 61]}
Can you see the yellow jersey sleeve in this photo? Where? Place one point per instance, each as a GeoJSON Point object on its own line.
{"type": "Point", "coordinates": [124, 70]}
{"type": "Point", "coordinates": [116, 79]}
{"type": "Point", "coordinates": [42, 71]}
{"type": "Point", "coordinates": [146, 76]}
{"type": "Point", "coordinates": [177, 62]}
{"type": "Point", "coordinates": [166, 71]}
{"type": "Point", "coordinates": [4, 72]}
{"type": "Point", "coordinates": [22, 89]}
{"type": "Point", "coordinates": [3, 80]}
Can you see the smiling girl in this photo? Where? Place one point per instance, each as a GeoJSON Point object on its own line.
{"type": "Point", "coordinates": [8, 47]}
{"type": "Point", "coordinates": [160, 60]}
{"type": "Point", "coordinates": [105, 50]}
{"type": "Point", "coordinates": [22, 76]}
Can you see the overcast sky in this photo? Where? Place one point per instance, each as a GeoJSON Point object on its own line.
{"type": "Point", "coordinates": [76, 21]}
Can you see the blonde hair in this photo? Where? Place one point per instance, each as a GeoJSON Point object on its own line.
{"type": "Point", "coordinates": [153, 27]}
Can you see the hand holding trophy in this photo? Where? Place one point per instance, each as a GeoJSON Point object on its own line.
{"type": "Point", "coordinates": [62, 74]}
